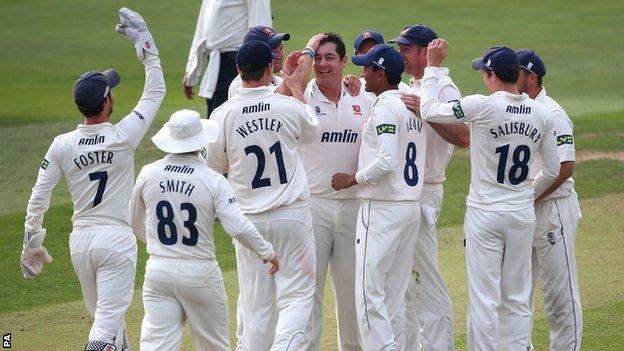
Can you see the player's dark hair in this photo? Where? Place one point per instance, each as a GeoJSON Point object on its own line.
{"type": "Point", "coordinates": [393, 79]}
{"type": "Point", "coordinates": [539, 81]}
{"type": "Point", "coordinates": [248, 75]}
{"type": "Point", "coordinates": [509, 76]}
{"type": "Point", "coordinates": [335, 38]}
{"type": "Point", "coordinates": [91, 111]}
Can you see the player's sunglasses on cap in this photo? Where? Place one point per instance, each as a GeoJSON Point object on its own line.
{"type": "Point", "coordinates": [254, 55]}
{"type": "Point", "coordinates": [367, 35]}
{"type": "Point", "coordinates": [186, 132]}
{"type": "Point", "coordinates": [499, 59]}
{"type": "Point", "coordinates": [92, 88]}
{"type": "Point", "coordinates": [267, 35]}
{"type": "Point", "coordinates": [530, 62]}
{"type": "Point", "coordinates": [415, 34]}
{"type": "Point", "coordinates": [381, 56]}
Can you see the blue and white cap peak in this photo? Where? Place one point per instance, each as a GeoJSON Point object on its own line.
{"type": "Point", "coordinates": [499, 59]}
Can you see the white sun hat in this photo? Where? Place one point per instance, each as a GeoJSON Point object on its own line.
{"type": "Point", "coordinates": [185, 132]}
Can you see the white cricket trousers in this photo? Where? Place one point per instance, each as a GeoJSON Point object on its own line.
{"type": "Point", "coordinates": [104, 260]}
{"type": "Point", "coordinates": [498, 263]}
{"type": "Point", "coordinates": [427, 301]}
{"type": "Point", "coordinates": [554, 262]}
{"type": "Point", "coordinates": [178, 290]}
{"type": "Point", "coordinates": [276, 308]}
{"type": "Point", "coordinates": [334, 236]}
{"type": "Point", "coordinates": [384, 247]}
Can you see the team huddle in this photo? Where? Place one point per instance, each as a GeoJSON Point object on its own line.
{"type": "Point", "coordinates": [335, 174]}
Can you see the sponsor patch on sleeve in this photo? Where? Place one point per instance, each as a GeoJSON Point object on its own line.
{"type": "Point", "coordinates": [44, 164]}
{"type": "Point", "coordinates": [565, 139]}
{"type": "Point", "coordinates": [457, 110]}
{"type": "Point", "coordinates": [203, 152]}
{"type": "Point", "coordinates": [386, 129]}
{"type": "Point", "coordinates": [138, 114]}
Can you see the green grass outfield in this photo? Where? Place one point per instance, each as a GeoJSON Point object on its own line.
{"type": "Point", "coordinates": [47, 44]}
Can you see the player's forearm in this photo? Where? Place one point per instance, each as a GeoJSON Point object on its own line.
{"type": "Point", "coordinates": [247, 234]}
{"type": "Point", "coordinates": [565, 172]}
{"type": "Point", "coordinates": [383, 165]}
{"type": "Point", "coordinates": [154, 89]}
{"type": "Point", "coordinates": [38, 204]}
{"type": "Point", "coordinates": [431, 109]}
{"type": "Point", "coordinates": [456, 134]}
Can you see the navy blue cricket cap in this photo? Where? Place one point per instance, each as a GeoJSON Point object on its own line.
{"type": "Point", "coordinates": [418, 34]}
{"type": "Point", "coordinates": [267, 35]}
{"type": "Point", "coordinates": [529, 61]}
{"type": "Point", "coordinates": [92, 88]}
{"type": "Point", "coordinates": [499, 59]}
{"type": "Point", "coordinates": [254, 55]}
{"type": "Point", "coordinates": [367, 35]}
{"type": "Point", "coordinates": [381, 56]}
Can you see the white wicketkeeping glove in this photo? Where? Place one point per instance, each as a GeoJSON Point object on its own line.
{"type": "Point", "coordinates": [132, 26]}
{"type": "Point", "coordinates": [34, 254]}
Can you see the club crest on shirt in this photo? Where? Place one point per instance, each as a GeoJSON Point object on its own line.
{"type": "Point", "coordinates": [318, 111]}
{"type": "Point", "coordinates": [551, 238]}
{"type": "Point", "coordinates": [357, 110]}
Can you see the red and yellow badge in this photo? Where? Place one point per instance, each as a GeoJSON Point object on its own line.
{"type": "Point", "coordinates": [357, 110]}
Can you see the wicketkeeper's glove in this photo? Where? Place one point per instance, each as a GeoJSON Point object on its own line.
{"type": "Point", "coordinates": [133, 26]}
{"type": "Point", "coordinates": [34, 254]}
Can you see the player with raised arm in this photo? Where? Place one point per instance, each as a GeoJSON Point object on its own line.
{"type": "Point", "coordinates": [389, 179]}
{"type": "Point", "coordinates": [429, 315]}
{"type": "Point", "coordinates": [558, 214]}
{"type": "Point", "coordinates": [260, 132]}
{"type": "Point", "coordinates": [334, 213]}
{"type": "Point", "coordinates": [507, 131]}
{"type": "Point", "coordinates": [97, 162]}
{"type": "Point", "coordinates": [174, 204]}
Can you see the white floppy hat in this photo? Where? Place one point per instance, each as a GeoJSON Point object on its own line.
{"type": "Point", "coordinates": [185, 132]}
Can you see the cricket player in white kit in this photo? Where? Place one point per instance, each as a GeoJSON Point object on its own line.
{"type": "Point", "coordinates": [558, 214]}
{"type": "Point", "coordinates": [174, 205]}
{"type": "Point", "coordinates": [365, 41]}
{"type": "Point", "coordinates": [507, 131]}
{"type": "Point", "coordinates": [429, 314]}
{"type": "Point", "coordinates": [389, 179]}
{"type": "Point", "coordinates": [97, 162]}
{"type": "Point", "coordinates": [274, 40]}
{"type": "Point", "coordinates": [260, 132]}
{"type": "Point", "coordinates": [334, 213]}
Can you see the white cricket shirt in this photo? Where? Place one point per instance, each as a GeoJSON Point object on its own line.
{"type": "Point", "coordinates": [439, 151]}
{"type": "Point", "coordinates": [337, 144]}
{"type": "Point", "coordinates": [221, 27]}
{"type": "Point", "coordinates": [174, 204]}
{"type": "Point", "coordinates": [506, 133]}
{"type": "Point", "coordinates": [260, 132]}
{"type": "Point", "coordinates": [565, 143]}
{"type": "Point", "coordinates": [237, 83]}
{"type": "Point", "coordinates": [403, 87]}
{"type": "Point", "coordinates": [97, 162]}
{"type": "Point", "coordinates": [392, 154]}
